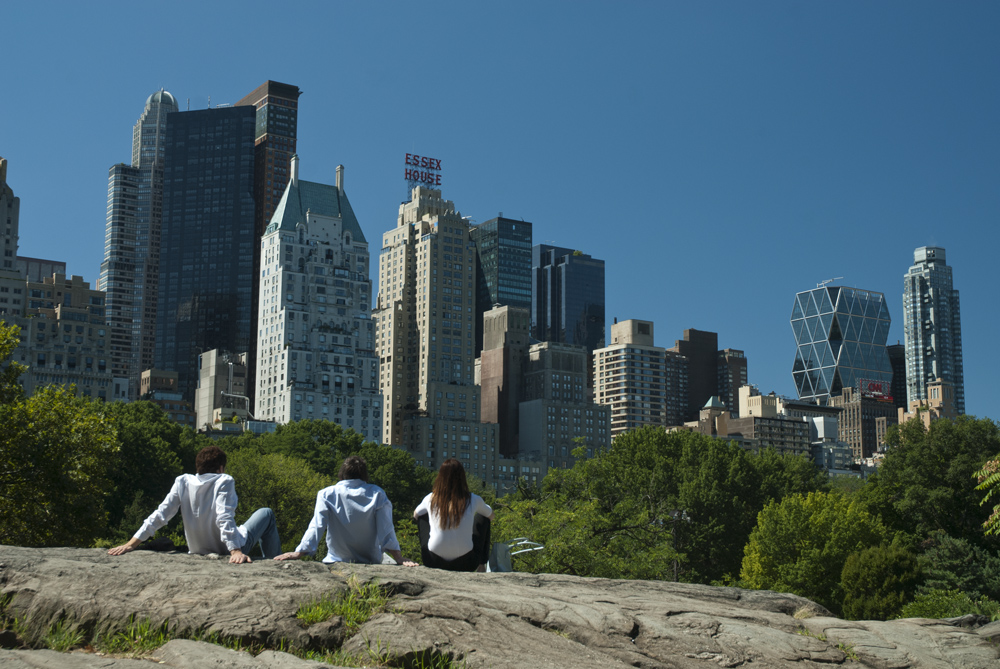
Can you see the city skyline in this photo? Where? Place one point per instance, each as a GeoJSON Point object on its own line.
{"type": "Point", "coordinates": [741, 148]}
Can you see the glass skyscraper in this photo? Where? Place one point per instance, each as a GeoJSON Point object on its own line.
{"type": "Point", "coordinates": [207, 240]}
{"type": "Point", "coordinates": [840, 334]}
{"type": "Point", "coordinates": [932, 326]}
{"type": "Point", "coordinates": [130, 268]}
{"type": "Point", "coordinates": [567, 297]}
{"type": "Point", "coordinates": [503, 248]}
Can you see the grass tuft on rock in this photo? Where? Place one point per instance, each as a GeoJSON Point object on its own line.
{"type": "Point", "coordinates": [140, 637]}
{"type": "Point", "coordinates": [61, 636]}
{"type": "Point", "coordinates": [358, 603]}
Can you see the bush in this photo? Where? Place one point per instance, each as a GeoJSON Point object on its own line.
{"type": "Point", "coordinates": [878, 581]}
{"type": "Point", "coordinates": [949, 604]}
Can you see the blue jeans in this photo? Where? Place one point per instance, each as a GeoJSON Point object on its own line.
{"type": "Point", "coordinates": [262, 528]}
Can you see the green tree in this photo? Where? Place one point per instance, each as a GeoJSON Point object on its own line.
{"type": "Point", "coordinates": [10, 370]}
{"type": "Point", "coordinates": [285, 484]}
{"type": "Point", "coordinates": [147, 462]}
{"type": "Point", "coordinates": [801, 544]}
{"type": "Point", "coordinates": [925, 482]}
{"type": "Point", "coordinates": [610, 515]}
{"type": "Point", "coordinates": [957, 564]}
{"type": "Point", "coordinates": [55, 452]}
{"type": "Point", "coordinates": [878, 581]}
{"type": "Point", "coordinates": [989, 480]}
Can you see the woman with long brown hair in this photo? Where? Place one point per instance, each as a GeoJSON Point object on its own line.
{"type": "Point", "coordinates": [454, 524]}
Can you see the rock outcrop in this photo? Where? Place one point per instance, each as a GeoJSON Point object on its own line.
{"type": "Point", "coordinates": [485, 620]}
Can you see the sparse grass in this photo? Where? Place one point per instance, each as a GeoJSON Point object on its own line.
{"type": "Point", "coordinates": [140, 637]}
{"type": "Point", "coordinates": [378, 654]}
{"type": "Point", "coordinates": [803, 613]}
{"type": "Point", "coordinates": [62, 637]}
{"type": "Point", "coordinates": [554, 630]}
{"type": "Point", "coordinates": [848, 650]}
{"type": "Point", "coordinates": [804, 632]}
{"type": "Point", "coordinates": [356, 604]}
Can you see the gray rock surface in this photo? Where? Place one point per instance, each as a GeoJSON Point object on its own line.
{"type": "Point", "coordinates": [487, 620]}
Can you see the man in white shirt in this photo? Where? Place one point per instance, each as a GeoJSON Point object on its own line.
{"type": "Point", "coordinates": [207, 502]}
{"type": "Point", "coordinates": [357, 518]}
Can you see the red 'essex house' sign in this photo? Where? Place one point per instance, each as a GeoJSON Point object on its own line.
{"type": "Point", "coordinates": [422, 169]}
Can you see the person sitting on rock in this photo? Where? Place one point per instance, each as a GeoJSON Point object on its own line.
{"type": "Point", "coordinates": [207, 502]}
{"type": "Point", "coordinates": [357, 518]}
{"type": "Point", "coordinates": [454, 524]}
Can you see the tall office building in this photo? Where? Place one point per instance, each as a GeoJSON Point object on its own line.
{"type": "Point", "coordinates": [567, 297]}
{"type": "Point", "coordinates": [207, 240]}
{"type": "Point", "coordinates": [840, 335]}
{"type": "Point", "coordinates": [424, 320]}
{"type": "Point", "coordinates": [932, 326]}
{"type": "Point", "coordinates": [643, 383]}
{"type": "Point", "coordinates": [315, 336]}
{"type": "Point", "coordinates": [701, 350]}
{"type": "Point", "coordinates": [275, 138]}
{"type": "Point", "coordinates": [130, 267]}
{"type": "Point", "coordinates": [11, 280]}
{"type": "Point", "coordinates": [503, 252]}
{"type": "Point", "coordinates": [897, 360]}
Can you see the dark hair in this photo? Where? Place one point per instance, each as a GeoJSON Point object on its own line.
{"type": "Point", "coordinates": [354, 467]}
{"type": "Point", "coordinates": [209, 460]}
{"type": "Point", "coordinates": [451, 493]}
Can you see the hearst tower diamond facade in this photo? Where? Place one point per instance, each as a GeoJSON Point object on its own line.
{"type": "Point", "coordinates": [840, 333]}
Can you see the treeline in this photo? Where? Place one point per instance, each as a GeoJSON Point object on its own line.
{"type": "Point", "coordinates": [910, 541]}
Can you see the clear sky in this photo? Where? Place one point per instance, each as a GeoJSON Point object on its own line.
{"type": "Point", "coordinates": [719, 156]}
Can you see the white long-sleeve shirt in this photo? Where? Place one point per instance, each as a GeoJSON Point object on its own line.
{"type": "Point", "coordinates": [207, 503]}
{"type": "Point", "coordinates": [357, 519]}
{"type": "Point", "coordinates": [455, 541]}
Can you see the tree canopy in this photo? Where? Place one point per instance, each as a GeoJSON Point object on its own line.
{"type": "Point", "coordinates": [617, 514]}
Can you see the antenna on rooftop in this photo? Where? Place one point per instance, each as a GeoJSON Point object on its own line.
{"type": "Point", "coordinates": [823, 283]}
{"type": "Point", "coordinates": [189, 105]}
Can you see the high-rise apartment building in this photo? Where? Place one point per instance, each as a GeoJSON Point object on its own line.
{"type": "Point", "coordinates": [503, 254]}
{"type": "Point", "coordinates": [425, 337]}
{"type": "Point", "coordinates": [932, 326]}
{"type": "Point", "coordinates": [644, 384]}
{"type": "Point", "coordinates": [567, 297]}
{"type": "Point", "coordinates": [64, 338]}
{"type": "Point", "coordinates": [130, 267]}
{"type": "Point", "coordinates": [556, 413]}
{"type": "Point", "coordinates": [840, 335]}
{"type": "Point", "coordinates": [11, 280]}
{"type": "Point", "coordinates": [275, 139]}
{"type": "Point", "coordinates": [537, 394]}
{"type": "Point", "coordinates": [860, 420]}
{"type": "Point", "coordinates": [207, 241]}
{"type": "Point", "coordinates": [315, 334]}
{"type": "Point", "coordinates": [731, 372]}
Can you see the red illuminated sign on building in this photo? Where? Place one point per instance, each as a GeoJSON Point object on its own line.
{"type": "Point", "coordinates": [422, 169]}
{"type": "Point", "coordinates": [879, 390]}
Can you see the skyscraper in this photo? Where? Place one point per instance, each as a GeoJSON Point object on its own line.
{"type": "Point", "coordinates": [840, 335]}
{"type": "Point", "coordinates": [207, 240]}
{"type": "Point", "coordinates": [275, 133]}
{"type": "Point", "coordinates": [130, 268]}
{"type": "Point", "coordinates": [503, 251]}
{"type": "Point", "coordinates": [932, 326]}
{"type": "Point", "coordinates": [315, 336]}
{"type": "Point", "coordinates": [567, 297]}
{"type": "Point", "coordinates": [11, 280]}
{"type": "Point", "coordinates": [424, 320]}
{"type": "Point", "coordinates": [644, 384]}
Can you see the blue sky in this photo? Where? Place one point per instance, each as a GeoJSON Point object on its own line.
{"type": "Point", "coordinates": [719, 156]}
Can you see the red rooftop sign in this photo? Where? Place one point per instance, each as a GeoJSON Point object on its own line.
{"type": "Point", "coordinates": [422, 169]}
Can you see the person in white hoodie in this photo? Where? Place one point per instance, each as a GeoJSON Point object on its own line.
{"type": "Point", "coordinates": [207, 502]}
